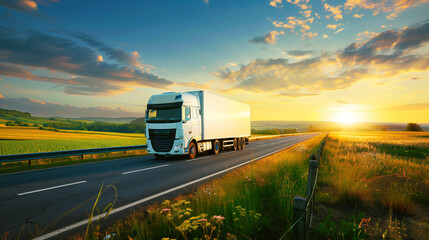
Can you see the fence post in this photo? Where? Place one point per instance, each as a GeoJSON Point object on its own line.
{"type": "Point", "coordinates": [300, 229]}
{"type": "Point", "coordinates": [81, 157]}
{"type": "Point", "coordinates": [29, 162]}
{"type": "Point", "coordinates": [311, 182]}
{"type": "Point", "coordinates": [312, 157]}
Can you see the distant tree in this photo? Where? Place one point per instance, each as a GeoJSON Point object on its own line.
{"type": "Point", "coordinates": [10, 123]}
{"type": "Point", "coordinates": [18, 122]}
{"type": "Point", "coordinates": [414, 127]}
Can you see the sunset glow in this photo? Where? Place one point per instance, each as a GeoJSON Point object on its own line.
{"type": "Point", "coordinates": [289, 60]}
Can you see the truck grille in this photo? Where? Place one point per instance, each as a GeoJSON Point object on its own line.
{"type": "Point", "coordinates": [162, 145]}
{"type": "Point", "coordinates": [162, 139]}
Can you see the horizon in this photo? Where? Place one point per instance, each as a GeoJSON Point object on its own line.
{"type": "Point", "coordinates": [297, 60]}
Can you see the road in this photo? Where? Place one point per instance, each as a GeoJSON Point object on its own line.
{"type": "Point", "coordinates": [52, 201]}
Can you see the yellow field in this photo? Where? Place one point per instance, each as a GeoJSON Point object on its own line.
{"type": "Point", "coordinates": [29, 133]}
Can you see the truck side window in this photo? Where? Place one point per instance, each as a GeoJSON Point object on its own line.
{"type": "Point", "coordinates": [187, 113]}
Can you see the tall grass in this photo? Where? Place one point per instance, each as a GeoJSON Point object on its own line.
{"type": "Point", "coordinates": [382, 167]}
{"type": "Point", "coordinates": [253, 202]}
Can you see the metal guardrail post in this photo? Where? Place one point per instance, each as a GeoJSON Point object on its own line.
{"type": "Point", "coordinates": [300, 229]}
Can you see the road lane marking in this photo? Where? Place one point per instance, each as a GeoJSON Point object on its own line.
{"type": "Point", "coordinates": [228, 153]}
{"type": "Point", "coordinates": [50, 188]}
{"type": "Point", "coordinates": [95, 218]}
{"type": "Point", "coordinates": [144, 169]}
{"type": "Point", "coordinates": [195, 159]}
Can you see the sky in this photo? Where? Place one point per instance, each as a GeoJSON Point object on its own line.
{"type": "Point", "coordinates": [325, 60]}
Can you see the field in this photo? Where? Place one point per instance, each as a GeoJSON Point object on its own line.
{"type": "Point", "coordinates": [17, 140]}
{"type": "Point", "coordinates": [381, 176]}
{"type": "Point", "coordinates": [252, 202]}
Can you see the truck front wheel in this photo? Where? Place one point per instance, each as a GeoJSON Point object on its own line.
{"type": "Point", "coordinates": [192, 150]}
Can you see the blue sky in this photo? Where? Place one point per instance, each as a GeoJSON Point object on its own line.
{"type": "Point", "coordinates": [288, 59]}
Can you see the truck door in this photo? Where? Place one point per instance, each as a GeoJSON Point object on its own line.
{"type": "Point", "coordinates": [187, 124]}
{"type": "Point", "coordinates": [196, 122]}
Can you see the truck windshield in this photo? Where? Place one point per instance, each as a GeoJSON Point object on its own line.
{"type": "Point", "coordinates": [167, 115]}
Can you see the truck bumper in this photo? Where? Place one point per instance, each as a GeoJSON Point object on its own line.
{"type": "Point", "coordinates": [177, 149]}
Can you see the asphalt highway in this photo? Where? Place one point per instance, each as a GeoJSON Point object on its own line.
{"type": "Point", "coordinates": [52, 202]}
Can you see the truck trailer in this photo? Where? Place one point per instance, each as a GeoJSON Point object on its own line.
{"type": "Point", "coordinates": [188, 123]}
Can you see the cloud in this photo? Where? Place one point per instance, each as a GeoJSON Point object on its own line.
{"type": "Point", "coordinates": [276, 3]}
{"type": "Point", "coordinates": [49, 109]}
{"type": "Point", "coordinates": [206, 2]}
{"type": "Point", "coordinates": [25, 6]}
{"type": "Point", "coordinates": [336, 12]}
{"type": "Point", "coordinates": [325, 36]}
{"type": "Point", "coordinates": [268, 38]}
{"type": "Point", "coordinates": [296, 94]}
{"type": "Point", "coordinates": [342, 102]}
{"type": "Point", "coordinates": [358, 16]}
{"type": "Point", "coordinates": [21, 53]}
{"type": "Point", "coordinates": [380, 6]}
{"type": "Point", "coordinates": [384, 55]}
{"type": "Point", "coordinates": [333, 26]}
{"type": "Point", "coordinates": [415, 78]}
{"type": "Point", "coordinates": [409, 107]}
{"type": "Point", "coordinates": [293, 22]}
{"type": "Point", "coordinates": [299, 54]}
{"type": "Point", "coordinates": [365, 36]}
{"type": "Point", "coordinates": [391, 16]}
{"type": "Point", "coordinates": [99, 58]}
{"type": "Point", "coordinates": [1, 96]}
{"type": "Point", "coordinates": [339, 30]}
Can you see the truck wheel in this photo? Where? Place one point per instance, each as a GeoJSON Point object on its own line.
{"type": "Point", "coordinates": [239, 143]}
{"type": "Point", "coordinates": [192, 150]}
{"type": "Point", "coordinates": [235, 144]}
{"type": "Point", "coordinates": [243, 144]}
{"type": "Point", "coordinates": [216, 147]}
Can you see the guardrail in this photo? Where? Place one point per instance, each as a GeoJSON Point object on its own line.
{"type": "Point", "coordinates": [80, 152]}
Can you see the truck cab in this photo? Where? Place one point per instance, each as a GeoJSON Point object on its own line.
{"type": "Point", "coordinates": [173, 121]}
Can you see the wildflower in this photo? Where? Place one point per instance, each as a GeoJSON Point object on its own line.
{"type": "Point", "coordinates": [218, 218]}
{"type": "Point", "coordinates": [203, 220]}
{"type": "Point", "coordinates": [166, 210]}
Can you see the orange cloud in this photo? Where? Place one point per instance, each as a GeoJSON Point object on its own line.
{"type": "Point", "coordinates": [391, 16]}
{"type": "Point", "coordinates": [332, 26]}
{"type": "Point", "coordinates": [269, 38]}
{"type": "Point", "coordinates": [335, 11]}
{"type": "Point", "coordinates": [276, 3]}
{"type": "Point", "coordinates": [1, 96]}
{"type": "Point", "coordinates": [29, 4]}
{"type": "Point", "coordinates": [379, 6]}
{"type": "Point", "coordinates": [358, 16]}
{"type": "Point", "coordinates": [99, 58]}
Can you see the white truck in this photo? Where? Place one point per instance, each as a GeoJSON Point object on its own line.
{"type": "Point", "coordinates": [188, 123]}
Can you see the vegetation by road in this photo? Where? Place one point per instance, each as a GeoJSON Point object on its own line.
{"type": "Point", "coordinates": [379, 180]}
{"type": "Point", "coordinates": [253, 202]}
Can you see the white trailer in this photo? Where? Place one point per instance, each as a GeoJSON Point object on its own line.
{"type": "Point", "coordinates": [193, 122]}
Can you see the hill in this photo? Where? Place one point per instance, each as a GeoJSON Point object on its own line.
{"type": "Point", "coordinates": [106, 119]}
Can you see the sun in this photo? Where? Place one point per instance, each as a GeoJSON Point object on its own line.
{"type": "Point", "coordinates": [346, 117]}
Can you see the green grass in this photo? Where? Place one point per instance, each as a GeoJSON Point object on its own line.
{"type": "Point", "coordinates": [8, 147]}
{"type": "Point", "coordinates": [252, 202]}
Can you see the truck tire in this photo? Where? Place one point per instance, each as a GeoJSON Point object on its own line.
{"type": "Point", "coordinates": [235, 144]}
{"type": "Point", "coordinates": [216, 147]}
{"type": "Point", "coordinates": [243, 143]}
{"type": "Point", "coordinates": [192, 150]}
{"type": "Point", "coordinates": [239, 143]}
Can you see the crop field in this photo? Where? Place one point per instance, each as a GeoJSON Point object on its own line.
{"type": "Point", "coordinates": [252, 202]}
{"type": "Point", "coordinates": [383, 177]}
{"type": "Point", "coordinates": [17, 140]}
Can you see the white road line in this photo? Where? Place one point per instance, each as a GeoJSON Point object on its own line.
{"type": "Point", "coordinates": [95, 218]}
{"type": "Point", "coordinates": [195, 159]}
{"type": "Point", "coordinates": [46, 189]}
{"type": "Point", "coordinates": [144, 169]}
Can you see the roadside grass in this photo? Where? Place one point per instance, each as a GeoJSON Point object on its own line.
{"type": "Point", "coordinates": [252, 202]}
{"type": "Point", "coordinates": [383, 173]}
